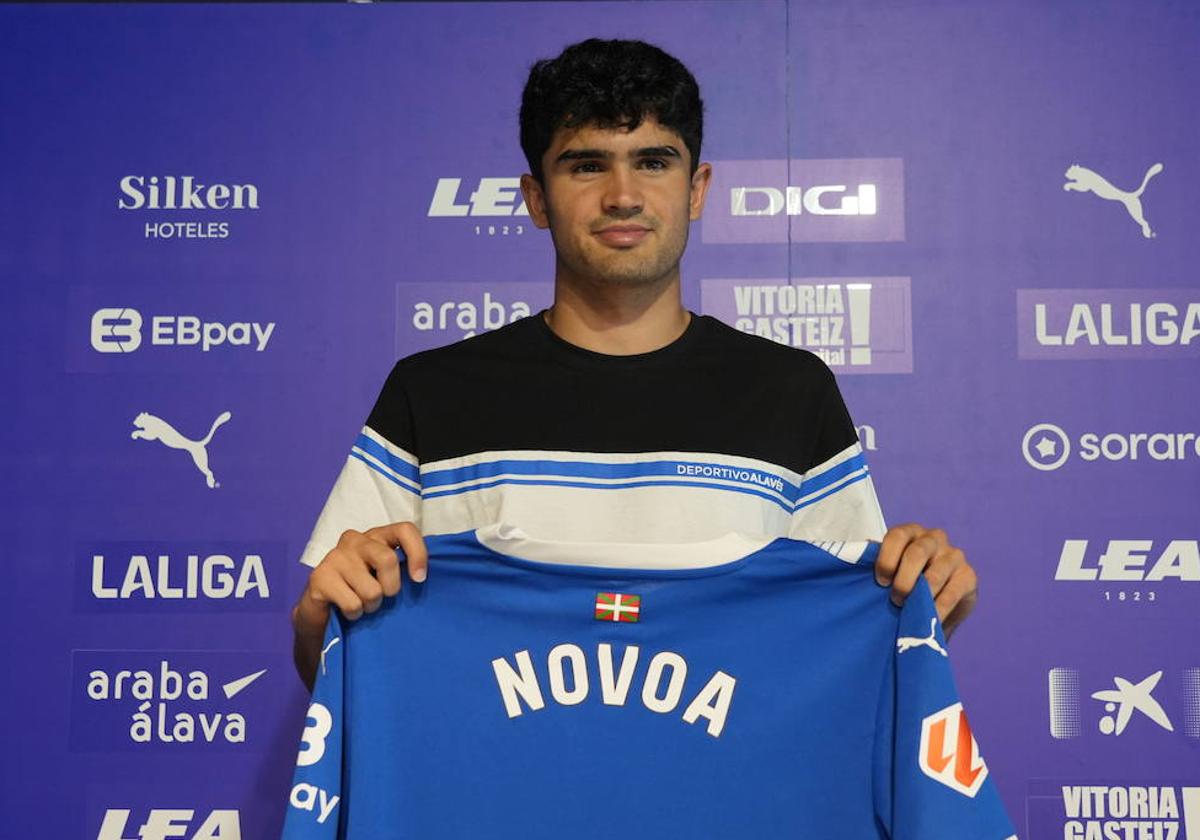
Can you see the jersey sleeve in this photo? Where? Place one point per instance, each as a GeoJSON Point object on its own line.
{"type": "Point", "coordinates": [836, 499]}
{"type": "Point", "coordinates": [930, 780]}
{"type": "Point", "coordinates": [380, 482]}
{"type": "Point", "coordinates": [317, 783]}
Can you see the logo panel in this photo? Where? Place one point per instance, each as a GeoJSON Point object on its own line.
{"type": "Point", "coordinates": [1097, 810]}
{"type": "Point", "coordinates": [855, 324]}
{"type": "Point", "coordinates": [1085, 324]}
{"type": "Point", "coordinates": [174, 700]}
{"type": "Point", "coordinates": [833, 200]}
{"type": "Point", "coordinates": [1048, 446]}
{"type": "Point", "coordinates": [434, 314]}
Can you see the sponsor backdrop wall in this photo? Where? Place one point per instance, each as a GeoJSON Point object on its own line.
{"type": "Point", "coordinates": [220, 227]}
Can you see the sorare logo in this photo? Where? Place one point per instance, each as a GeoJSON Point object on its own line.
{"type": "Point", "coordinates": [1047, 446]}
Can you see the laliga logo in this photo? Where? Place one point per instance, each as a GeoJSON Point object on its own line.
{"type": "Point", "coordinates": [949, 753]}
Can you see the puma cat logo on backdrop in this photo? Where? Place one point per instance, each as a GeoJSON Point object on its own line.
{"type": "Point", "coordinates": [1082, 179]}
{"type": "Point", "coordinates": [150, 427]}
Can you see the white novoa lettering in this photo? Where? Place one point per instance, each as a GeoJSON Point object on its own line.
{"type": "Point", "coordinates": [1125, 560]}
{"type": "Point", "coordinates": [662, 686]}
{"type": "Point", "coordinates": [216, 576]}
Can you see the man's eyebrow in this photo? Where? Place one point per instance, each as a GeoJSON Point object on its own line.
{"type": "Point", "coordinates": [603, 154]}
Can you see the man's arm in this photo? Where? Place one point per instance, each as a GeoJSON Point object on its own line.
{"type": "Point", "coordinates": [355, 576]}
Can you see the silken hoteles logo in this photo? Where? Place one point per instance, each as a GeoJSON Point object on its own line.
{"type": "Point", "coordinates": [1086, 324]}
{"type": "Point", "coordinates": [172, 700]}
{"type": "Point", "coordinates": [833, 200]}
{"type": "Point", "coordinates": [1047, 446]}
{"type": "Point", "coordinates": [1082, 810]}
{"type": "Point", "coordinates": [1124, 704]}
{"type": "Point", "coordinates": [149, 427]}
{"type": "Point", "coordinates": [433, 314]}
{"type": "Point", "coordinates": [184, 193]}
{"type": "Point", "coordinates": [142, 577]}
{"type": "Point", "coordinates": [1081, 179]}
{"type": "Point", "coordinates": [855, 324]}
{"type": "Point", "coordinates": [165, 823]}
{"type": "Point", "coordinates": [124, 330]}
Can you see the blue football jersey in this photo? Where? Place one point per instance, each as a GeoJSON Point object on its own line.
{"type": "Point", "coordinates": [776, 694]}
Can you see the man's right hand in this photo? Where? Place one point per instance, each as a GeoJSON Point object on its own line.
{"type": "Point", "coordinates": [355, 576]}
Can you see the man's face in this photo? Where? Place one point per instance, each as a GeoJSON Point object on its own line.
{"type": "Point", "coordinates": [617, 202]}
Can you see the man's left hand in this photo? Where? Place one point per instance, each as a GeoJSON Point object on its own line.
{"type": "Point", "coordinates": [908, 550]}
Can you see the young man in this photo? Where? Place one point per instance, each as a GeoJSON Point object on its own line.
{"type": "Point", "coordinates": [616, 415]}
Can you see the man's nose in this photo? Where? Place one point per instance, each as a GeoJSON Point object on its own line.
{"type": "Point", "coordinates": [622, 194]}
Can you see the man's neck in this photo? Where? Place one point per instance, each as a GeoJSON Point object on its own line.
{"type": "Point", "coordinates": [618, 328]}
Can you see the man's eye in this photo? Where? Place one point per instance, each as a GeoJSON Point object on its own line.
{"type": "Point", "coordinates": [654, 163]}
{"type": "Point", "coordinates": [586, 166]}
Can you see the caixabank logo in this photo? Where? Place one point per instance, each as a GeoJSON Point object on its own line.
{"type": "Point", "coordinates": [173, 700]}
{"type": "Point", "coordinates": [829, 200]}
{"type": "Point", "coordinates": [139, 577]}
{"type": "Point", "coordinates": [855, 324]}
{"type": "Point", "coordinates": [1147, 702]}
{"type": "Point", "coordinates": [1107, 810]}
{"type": "Point", "coordinates": [433, 314]}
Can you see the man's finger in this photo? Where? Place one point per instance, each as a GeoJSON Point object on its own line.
{"type": "Point", "coordinates": [893, 545]}
{"type": "Point", "coordinates": [406, 537]}
{"type": "Point", "coordinates": [913, 561]}
{"type": "Point", "coordinates": [366, 587]}
{"type": "Point", "coordinates": [957, 598]}
{"type": "Point", "coordinates": [336, 591]}
{"type": "Point", "coordinates": [943, 564]}
{"type": "Point", "coordinates": [386, 565]}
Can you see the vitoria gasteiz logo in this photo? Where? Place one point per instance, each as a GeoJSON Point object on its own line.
{"type": "Point", "coordinates": [831, 200]}
{"type": "Point", "coordinates": [1048, 446]}
{"type": "Point", "coordinates": [855, 324]}
{"type": "Point", "coordinates": [1101, 810]}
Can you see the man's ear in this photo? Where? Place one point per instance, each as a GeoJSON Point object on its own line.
{"type": "Point", "coordinates": [535, 201]}
{"type": "Point", "coordinates": [700, 181]}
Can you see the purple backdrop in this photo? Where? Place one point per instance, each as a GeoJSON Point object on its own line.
{"type": "Point", "coordinates": [228, 221]}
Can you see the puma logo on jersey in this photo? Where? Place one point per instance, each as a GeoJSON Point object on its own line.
{"type": "Point", "coordinates": [904, 643]}
{"type": "Point", "coordinates": [150, 427]}
{"type": "Point", "coordinates": [662, 683]}
{"type": "Point", "coordinates": [1082, 179]}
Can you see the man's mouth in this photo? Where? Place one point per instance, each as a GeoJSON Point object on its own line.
{"type": "Point", "coordinates": [622, 234]}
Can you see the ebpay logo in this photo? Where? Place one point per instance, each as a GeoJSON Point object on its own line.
{"type": "Point", "coordinates": [1047, 446]}
{"type": "Point", "coordinates": [119, 330]}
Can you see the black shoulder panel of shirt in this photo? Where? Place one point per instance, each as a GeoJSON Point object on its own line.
{"type": "Point", "coordinates": [714, 389]}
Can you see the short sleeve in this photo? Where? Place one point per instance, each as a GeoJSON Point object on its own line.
{"type": "Point", "coordinates": [317, 783]}
{"type": "Point", "coordinates": [930, 780]}
{"type": "Point", "coordinates": [836, 499]}
{"type": "Point", "coordinates": [380, 482]}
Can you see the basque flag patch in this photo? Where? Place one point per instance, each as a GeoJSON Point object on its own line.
{"type": "Point", "coordinates": [618, 606]}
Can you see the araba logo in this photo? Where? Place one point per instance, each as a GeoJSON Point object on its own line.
{"type": "Point", "coordinates": [949, 753]}
{"type": "Point", "coordinates": [771, 201]}
{"type": "Point", "coordinates": [1047, 446]}
{"type": "Point", "coordinates": [163, 823]}
{"type": "Point", "coordinates": [216, 576]}
{"type": "Point", "coordinates": [492, 197]}
{"type": "Point", "coordinates": [184, 193]}
{"type": "Point", "coordinates": [160, 692]}
{"type": "Point", "coordinates": [467, 316]}
{"type": "Point", "coordinates": [1130, 560]}
{"type": "Point", "coordinates": [119, 330]}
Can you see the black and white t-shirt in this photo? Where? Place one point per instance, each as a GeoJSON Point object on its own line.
{"type": "Point", "coordinates": [718, 431]}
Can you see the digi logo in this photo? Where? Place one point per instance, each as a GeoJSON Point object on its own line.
{"type": "Point", "coordinates": [116, 330]}
{"type": "Point", "coordinates": [949, 753]}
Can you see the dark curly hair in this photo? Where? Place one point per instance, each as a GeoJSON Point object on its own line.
{"type": "Point", "coordinates": [612, 84]}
